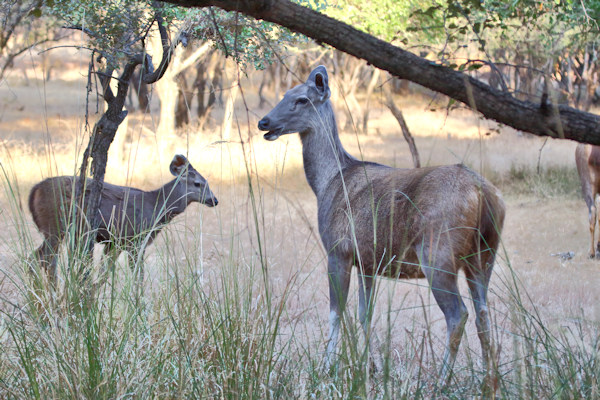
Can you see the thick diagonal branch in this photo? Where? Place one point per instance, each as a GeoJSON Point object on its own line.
{"type": "Point", "coordinates": [555, 121]}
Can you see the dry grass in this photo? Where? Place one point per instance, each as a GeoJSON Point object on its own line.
{"type": "Point", "coordinates": [261, 245]}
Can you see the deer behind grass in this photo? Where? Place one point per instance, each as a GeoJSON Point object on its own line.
{"type": "Point", "coordinates": [587, 158]}
{"type": "Point", "coordinates": [128, 215]}
{"type": "Point", "coordinates": [398, 223]}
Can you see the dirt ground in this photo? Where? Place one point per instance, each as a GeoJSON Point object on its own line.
{"type": "Point", "coordinates": [41, 133]}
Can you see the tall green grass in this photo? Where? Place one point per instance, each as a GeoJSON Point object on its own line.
{"type": "Point", "coordinates": [224, 331]}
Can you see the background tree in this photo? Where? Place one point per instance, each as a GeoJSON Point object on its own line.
{"type": "Point", "coordinates": [19, 32]}
{"type": "Point", "coordinates": [556, 51]}
{"type": "Point", "coordinates": [233, 35]}
{"type": "Point", "coordinates": [542, 118]}
{"type": "Point", "coordinates": [117, 33]}
{"type": "Point", "coordinates": [119, 39]}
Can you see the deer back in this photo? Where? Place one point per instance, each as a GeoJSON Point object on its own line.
{"type": "Point", "coordinates": [391, 210]}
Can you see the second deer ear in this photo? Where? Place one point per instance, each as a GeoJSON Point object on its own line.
{"type": "Point", "coordinates": [178, 164]}
{"type": "Point", "coordinates": [319, 79]}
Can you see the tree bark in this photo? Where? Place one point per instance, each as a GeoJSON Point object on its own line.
{"type": "Point", "coordinates": [557, 121]}
{"type": "Point", "coordinates": [105, 129]}
{"type": "Point", "coordinates": [184, 98]}
{"type": "Point", "coordinates": [229, 108]}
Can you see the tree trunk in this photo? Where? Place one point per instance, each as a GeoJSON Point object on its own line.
{"type": "Point", "coordinates": [369, 94]}
{"type": "Point", "coordinates": [262, 101]}
{"type": "Point", "coordinates": [182, 109]}
{"type": "Point", "coordinates": [141, 90]}
{"type": "Point", "coordinates": [216, 84]}
{"type": "Point", "coordinates": [105, 129]}
{"type": "Point", "coordinates": [102, 136]}
{"type": "Point", "coordinates": [558, 121]}
{"type": "Point", "coordinates": [200, 87]}
{"type": "Point", "coordinates": [229, 110]}
{"type": "Point", "coordinates": [166, 90]}
{"type": "Point", "coordinates": [167, 86]}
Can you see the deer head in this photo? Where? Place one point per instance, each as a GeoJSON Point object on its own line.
{"type": "Point", "coordinates": [195, 185]}
{"type": "Point", "coordinates": [298, 111]}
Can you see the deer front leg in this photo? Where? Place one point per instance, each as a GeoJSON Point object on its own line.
{"type": "Point", "coordinates": [592, 218]}
{"type": "Point", "coordinates": [338, 269]}
{"type": "Point", "coordinates": [109, 259]}
{"type": "Point", "coordinates": [596, 208]}
{"type": "Point", "coordinates": [437, 265]}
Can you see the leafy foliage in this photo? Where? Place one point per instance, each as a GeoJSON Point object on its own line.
{"type": "Point", "coordinates": [532, 40]}
{"type": "Point", "coordinates": [552, 25]}
{"type": "Point", "coordinates": [386, 19]}
{"type": "Point", "coordinates": [114, 27]}
{"type": "Point", "coordinates": [117, 28]}
{"type": "Point", "coordinates": [248, 41]}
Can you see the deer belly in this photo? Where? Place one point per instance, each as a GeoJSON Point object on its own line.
{"type": "Point", "coordinates": [400, 263]}
{"type": "Point", "coordinates": [402, 270]}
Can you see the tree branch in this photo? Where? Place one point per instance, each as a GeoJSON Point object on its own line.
{"type": "Point", "coordinates": [167, 52]}
{"type": "Point", "coordinates": [414, 152]}
{"type": "Point", "coordinates": [193, 58]}
{"type": "Point", "coordinates": [558, 121]}
{"type": "Point", "coordinates": [105, 78]}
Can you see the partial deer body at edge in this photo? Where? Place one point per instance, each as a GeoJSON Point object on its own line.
{"type": "Point", "coordinates": [587, 158]}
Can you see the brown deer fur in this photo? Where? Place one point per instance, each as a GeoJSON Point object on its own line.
{"type": "Point", "coordinates": [126, 213]}
{"type": "Point", "coordinates": [400, 223]}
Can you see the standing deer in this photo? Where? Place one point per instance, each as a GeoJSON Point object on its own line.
{"type": "Point", "coordinates": [587, 158]}
{"type": "Point", "coordinates": [397, 223]}
{"type": "Point", "coordinates": [129, 216]}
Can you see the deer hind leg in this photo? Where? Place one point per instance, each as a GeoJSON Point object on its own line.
{"type": "Point", "coordinates": [441, 273]}
{"type": "Point", "coordinates": [478, 280]}
{"type": "Point", "coordinates": [595, 250]}
{"type": "Point", "coordinates": [339, 270]}
{"type": "Point", "coordinates": [366, 287]}
{"type": "Point", "coordinates": [47, 255]}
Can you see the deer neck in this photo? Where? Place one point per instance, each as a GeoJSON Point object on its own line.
{"type": "Point", "coordinates": [169, 202]}
{"type": "Point", "coordinates": [322, 151]}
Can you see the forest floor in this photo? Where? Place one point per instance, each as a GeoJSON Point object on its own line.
{"type": "Point", "coordinates": [42, 134]}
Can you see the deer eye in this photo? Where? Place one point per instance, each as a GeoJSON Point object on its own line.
{"type": "Point", "coordinates": [302, 100]}
{"type": "Point", "coordinates": [197, 184]}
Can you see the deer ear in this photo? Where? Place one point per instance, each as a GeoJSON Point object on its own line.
{"type": "Point", "coordinates": [319, 79]}
{"type": "Point", "coordinates": [178, 164]}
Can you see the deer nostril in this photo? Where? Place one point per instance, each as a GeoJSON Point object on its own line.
{"type": "Point", "coordinates": [264, 123]}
